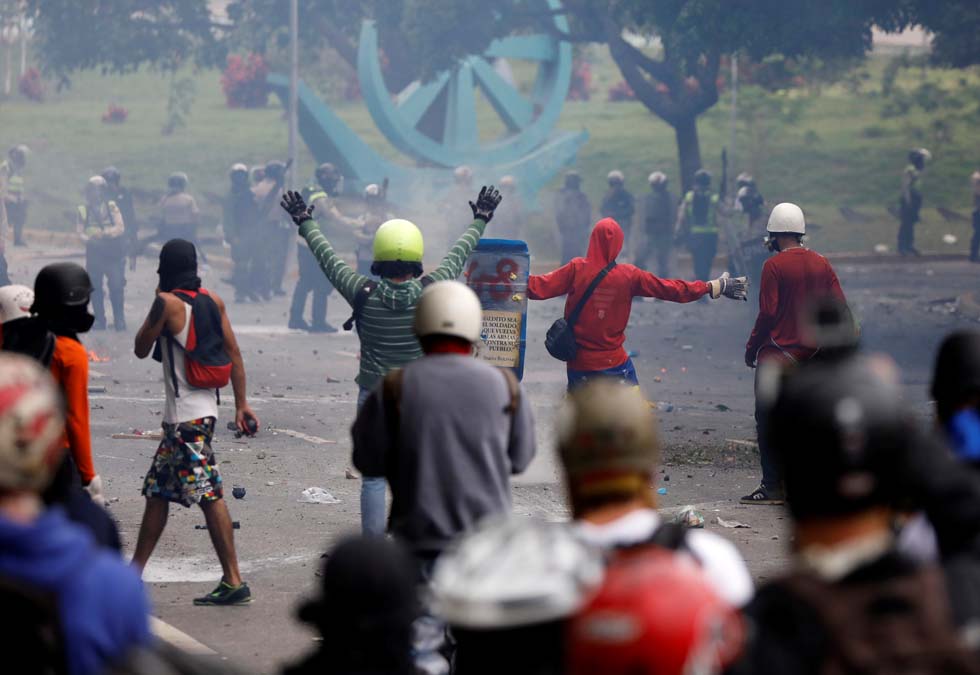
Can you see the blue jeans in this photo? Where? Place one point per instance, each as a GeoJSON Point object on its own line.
{"type": "Point", "coordinates": [625, 372]}
{"type": "Point", "coordinates": [372, 491]}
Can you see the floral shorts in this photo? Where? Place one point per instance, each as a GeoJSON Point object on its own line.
{"type": "Point", "coordinates": [183, 469]}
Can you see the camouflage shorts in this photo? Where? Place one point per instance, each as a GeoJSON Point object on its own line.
{"type": "Point", "coordinates": [183, 469]}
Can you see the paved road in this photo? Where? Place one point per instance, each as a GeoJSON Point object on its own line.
{"type": "Point", "coordinates": [690, 360]}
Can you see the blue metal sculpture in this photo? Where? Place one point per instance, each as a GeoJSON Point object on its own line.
{"type": "Point", "coordinates": [529, 149]}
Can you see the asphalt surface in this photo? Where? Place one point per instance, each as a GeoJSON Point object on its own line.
{"type": "Point", "coordinates": [301, 386]}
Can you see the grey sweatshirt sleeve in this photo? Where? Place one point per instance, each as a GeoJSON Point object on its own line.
{"type": "Point", "coordinates": [522, 445]}
{"type": "Point", "coordinates": [370, 436]}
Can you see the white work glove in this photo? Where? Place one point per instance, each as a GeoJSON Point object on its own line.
{"type": "Point", "coordinates": [94, 490]}
{"type": "Point", "coordinates": [736, 288]}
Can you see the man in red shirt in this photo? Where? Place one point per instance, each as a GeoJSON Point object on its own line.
{"type": "Point", "coordinates": [793, 280]}
{"type": "Point", "coordinates": [600, 329]}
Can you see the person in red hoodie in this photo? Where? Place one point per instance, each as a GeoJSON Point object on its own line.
{"type": "Point", "coordinates": [793, 281]}
{"type": "Point", "coordinates": [601, 327]}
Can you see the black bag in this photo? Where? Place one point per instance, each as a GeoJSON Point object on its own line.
{"type": "Point", "coordinates": [560, 340]}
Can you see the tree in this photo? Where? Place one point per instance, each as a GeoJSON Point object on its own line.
{"type": "Point", "coordinates": [120, 36]}
{"type": "Point", "coordinates": [676, 79]}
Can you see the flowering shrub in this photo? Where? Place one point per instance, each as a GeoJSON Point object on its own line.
{"type": "Point", "coordinates": [621, 91]}
{"type": "Point", "coordinates": [31, 86]}
{"type": "Point", "coordinates": [116, 114]}
{"type": "Point", "coordinates": [244, 81]}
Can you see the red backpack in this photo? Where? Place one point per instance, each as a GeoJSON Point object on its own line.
{"type": "Point", "coordinates": [206, 363]}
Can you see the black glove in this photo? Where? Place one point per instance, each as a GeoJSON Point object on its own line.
{"type": "Point", "coordinates": [293, 204]}
{"type": "Point", "coordinates": [486, 203]}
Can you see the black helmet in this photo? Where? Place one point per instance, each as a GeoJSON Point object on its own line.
{"type": "Point", "coordinates": [177, 181]}
{"type": "Point", "coordinates": [275, 169]}
{"type": "Point", "coordinates": [702, 178]}
{"type": "Point", "coordinates": [60, 285]}
{"type": "Point", "coordinates": [956, 377]}
{"type": "Point", "coordinates": [842, 435]}
{"type": "Point", "coordinates": [111, 175]}
{"type": "Point", "coordinates": [18, 153]}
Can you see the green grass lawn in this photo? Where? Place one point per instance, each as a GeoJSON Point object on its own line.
{"type": "Point", "coordinates": [839, 151]}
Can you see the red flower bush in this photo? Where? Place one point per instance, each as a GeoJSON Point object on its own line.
{"type": "Point", "coordinates": [31, 86]}
{"type": "Point", "coordinates": [621, 91]}
{"type": "Point", "coordinates": [116, 114]}
{"type": "Point", "coordinates": [244, 81]}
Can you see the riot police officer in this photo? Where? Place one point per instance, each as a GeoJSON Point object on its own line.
{"type": "Point", "coordinates": [697, 222]}
{"type": "Point", "coordinates": [100, 226]}
{"type": "Point", "coordinates": [327, 181]}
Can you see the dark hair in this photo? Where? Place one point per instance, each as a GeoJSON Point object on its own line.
{"type": "Point", "coordinates": [393, 269]}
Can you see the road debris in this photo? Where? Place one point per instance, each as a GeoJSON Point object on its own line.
{"type": "Point", "coordinates": [139, 434]}
{"type": "Point", "coordinates": [97, 390]}
{"type": "Point", "coordinates": [350, 474]}
{"type": "Point", "coordinates": [662, 491]}
{"type": "Point", "coordinates": [731, 524]}
{"type": "Point", "coordinates": [238, 492]}
{"type": "Point", "coordinates": [689, 517]}
{"type": "Point", "coordinates": [317, 495]}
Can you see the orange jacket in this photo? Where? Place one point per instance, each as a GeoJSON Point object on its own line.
{"type": "Point", "coordinates": [69, 366]}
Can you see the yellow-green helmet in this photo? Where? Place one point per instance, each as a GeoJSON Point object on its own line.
{"type": "Point", "coordinates": [398, 240]}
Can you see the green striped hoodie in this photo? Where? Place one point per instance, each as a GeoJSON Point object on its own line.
{"type": "Point", "coordinates": [387, 338]}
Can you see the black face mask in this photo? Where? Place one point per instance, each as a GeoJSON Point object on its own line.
{"type": "Point", "coordinates": [70, 321]}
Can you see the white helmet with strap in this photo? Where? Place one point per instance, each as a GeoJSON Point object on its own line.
{"type": "Point", "coordinates": [15, 302]}
{"type": "Point", "coordinates": [786, 218]}
{"type": "Point", "coordinates": [449, 308]}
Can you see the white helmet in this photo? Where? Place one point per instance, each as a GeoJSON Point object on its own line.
{"type": "Point", "coordinates": [786, 218]}
{"type": "Point", "coordinates": [372, 190]}
{"type": "Point", "coordinates": [449, 308]}
{"type": "Point", "coordinates": [462, 173]}
{"type": "Point", "coordinates": [515, 572]}
{"type": "Point", "coordinates": [31, 424]}
{"type": "Point", "coordinates": [657, 178]}
{"type": "Point", "coordinates": [15, 302]}
{"type": "Point", "coordinates": [96, 182]}
{"type": "Point", "coordinates": [615, 176]}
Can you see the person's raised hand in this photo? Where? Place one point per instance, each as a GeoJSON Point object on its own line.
{"type": "Point", "coordinates": [486, 203]}
{"type": "Point", "coordinates": [293, 204]}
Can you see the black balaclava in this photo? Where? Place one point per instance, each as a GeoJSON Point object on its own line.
{"type": "Point", "coordinates": [178, 266]}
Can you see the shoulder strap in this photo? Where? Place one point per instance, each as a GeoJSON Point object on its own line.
{"type": "Point", "coordinates": [513, 389]}
{"type": "Point", "coordinates": [357, 305]}
{"type": "Point", "coordinates": [514, 394]}
{"type": "Point", "coordinates": [573, 317]}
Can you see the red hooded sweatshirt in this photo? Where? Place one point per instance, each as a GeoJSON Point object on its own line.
{"type": "Point", "coordinates": [600, 331]}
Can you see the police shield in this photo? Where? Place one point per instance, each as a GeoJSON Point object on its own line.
{"type": "Point", "coordinates": [497, 271]}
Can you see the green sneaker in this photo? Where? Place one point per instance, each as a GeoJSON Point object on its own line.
{"type": "Point", "coordinates": [226, 594]}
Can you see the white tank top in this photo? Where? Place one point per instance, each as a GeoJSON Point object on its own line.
{"type": "Point", "coordinates": [193, 402]}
